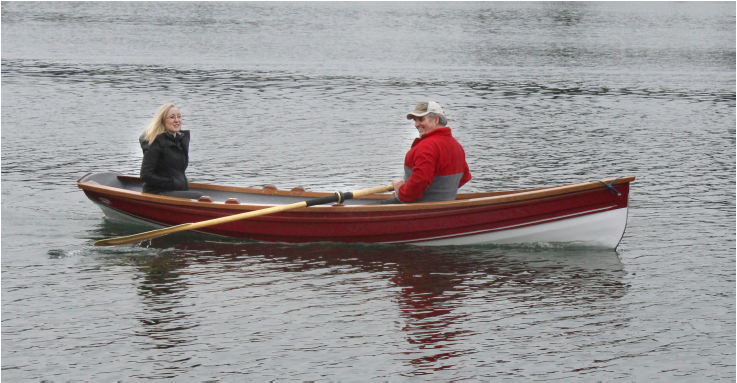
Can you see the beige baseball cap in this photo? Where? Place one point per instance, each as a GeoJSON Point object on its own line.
{"type": "Point", "coordinates": [424, 108]}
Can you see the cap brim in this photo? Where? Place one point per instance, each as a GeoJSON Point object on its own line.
{"type": "Point", "coordinates": [413, 115]}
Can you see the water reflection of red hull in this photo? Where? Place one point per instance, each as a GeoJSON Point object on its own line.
{"type": "Point", "coordinates": [588, 213]}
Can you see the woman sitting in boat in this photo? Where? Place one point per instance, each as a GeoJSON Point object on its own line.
{"type": "Point", "coordinates": [166, 155]}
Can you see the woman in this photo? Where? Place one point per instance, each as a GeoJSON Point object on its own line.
{"type": "Point", "coordinates": [166, 155]}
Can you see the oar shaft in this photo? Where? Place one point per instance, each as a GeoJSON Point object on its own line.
{"type": "Point", "coordinates": [337, 197]}
{"type": "Point", "coordinates": [250, 214]}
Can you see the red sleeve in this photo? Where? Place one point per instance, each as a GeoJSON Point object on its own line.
{"type": "Point", "coordinates": [466, 176]}
{"type": "Point", "coordinates": [423, 173]}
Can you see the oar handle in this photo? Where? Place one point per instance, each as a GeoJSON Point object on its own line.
{"type": "Point", "coordinates": [373, 190]}
{"type": "Point", "coordinates": [337, 197]}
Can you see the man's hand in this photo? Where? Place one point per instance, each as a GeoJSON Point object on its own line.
{"type": "Point", "coordinates": [397, 184]}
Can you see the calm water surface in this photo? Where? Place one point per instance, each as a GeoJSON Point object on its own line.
{"type": "Point", "coordinates": [314, 94]}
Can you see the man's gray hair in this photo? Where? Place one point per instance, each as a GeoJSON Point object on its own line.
{"type": "Point", "coordinates": [443, 121]}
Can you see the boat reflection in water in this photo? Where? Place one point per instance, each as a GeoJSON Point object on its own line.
{"type": "Point", "coordinates": [445, 302]}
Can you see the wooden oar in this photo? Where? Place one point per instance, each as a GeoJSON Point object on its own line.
{"type": "Point", "coordinates": [337, 197]}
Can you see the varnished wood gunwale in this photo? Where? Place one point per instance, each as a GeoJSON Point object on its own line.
{"type": "Point", "coordinates": [466, 200]}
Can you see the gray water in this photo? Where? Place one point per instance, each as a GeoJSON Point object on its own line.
{"type": "Point", "coordinates": [314, 95]}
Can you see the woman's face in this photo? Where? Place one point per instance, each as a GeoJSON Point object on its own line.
{"type": "Point", "coordinates": [173, 120]}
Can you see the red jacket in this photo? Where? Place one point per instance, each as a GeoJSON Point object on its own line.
{"type": "Point", "coordinates": [435, 167]}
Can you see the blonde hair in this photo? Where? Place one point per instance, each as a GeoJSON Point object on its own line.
{"type": "Point", "coordinates": [156, 126]}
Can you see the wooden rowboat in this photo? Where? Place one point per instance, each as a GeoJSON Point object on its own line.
{"type": "Point", "coordinates": [590, 214]}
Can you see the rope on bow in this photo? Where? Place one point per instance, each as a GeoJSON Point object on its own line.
{"type": "Point", "coordinates": [610, 186]}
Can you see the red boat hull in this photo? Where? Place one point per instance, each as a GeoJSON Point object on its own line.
{"type": "Point", "coordinates": [442, 222]}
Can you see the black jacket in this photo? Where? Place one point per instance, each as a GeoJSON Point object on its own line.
{"type": "Point", "coordinates": [164, 163]}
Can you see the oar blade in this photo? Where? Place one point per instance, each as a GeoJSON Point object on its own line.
{"type": "Point", "coordinates": [143, 236]}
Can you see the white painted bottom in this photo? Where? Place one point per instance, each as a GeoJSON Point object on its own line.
{"type": "Point", "coordinates": [603, 229]}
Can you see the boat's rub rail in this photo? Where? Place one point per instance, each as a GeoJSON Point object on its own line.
{"type": "Point", "coordinates": [476, 199]}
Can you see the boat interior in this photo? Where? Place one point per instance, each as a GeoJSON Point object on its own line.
{"type": "Point", "coordinates": [269, 194]}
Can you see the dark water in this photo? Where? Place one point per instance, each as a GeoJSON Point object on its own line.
{"type": "Point", "coordinates": [314, 94]}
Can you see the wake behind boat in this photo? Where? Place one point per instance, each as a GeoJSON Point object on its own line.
{"type": "Point", "coordinates": [589, 213]}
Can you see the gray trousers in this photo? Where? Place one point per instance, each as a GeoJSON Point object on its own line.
{"type": "Point", "coordinates": [394, 199]}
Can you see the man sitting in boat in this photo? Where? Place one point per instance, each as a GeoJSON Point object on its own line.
{"type": "Point", "coordinates": [435, 167]}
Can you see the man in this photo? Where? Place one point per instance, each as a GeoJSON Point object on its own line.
{"type": "Point", "coordinates": [435, 167]}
